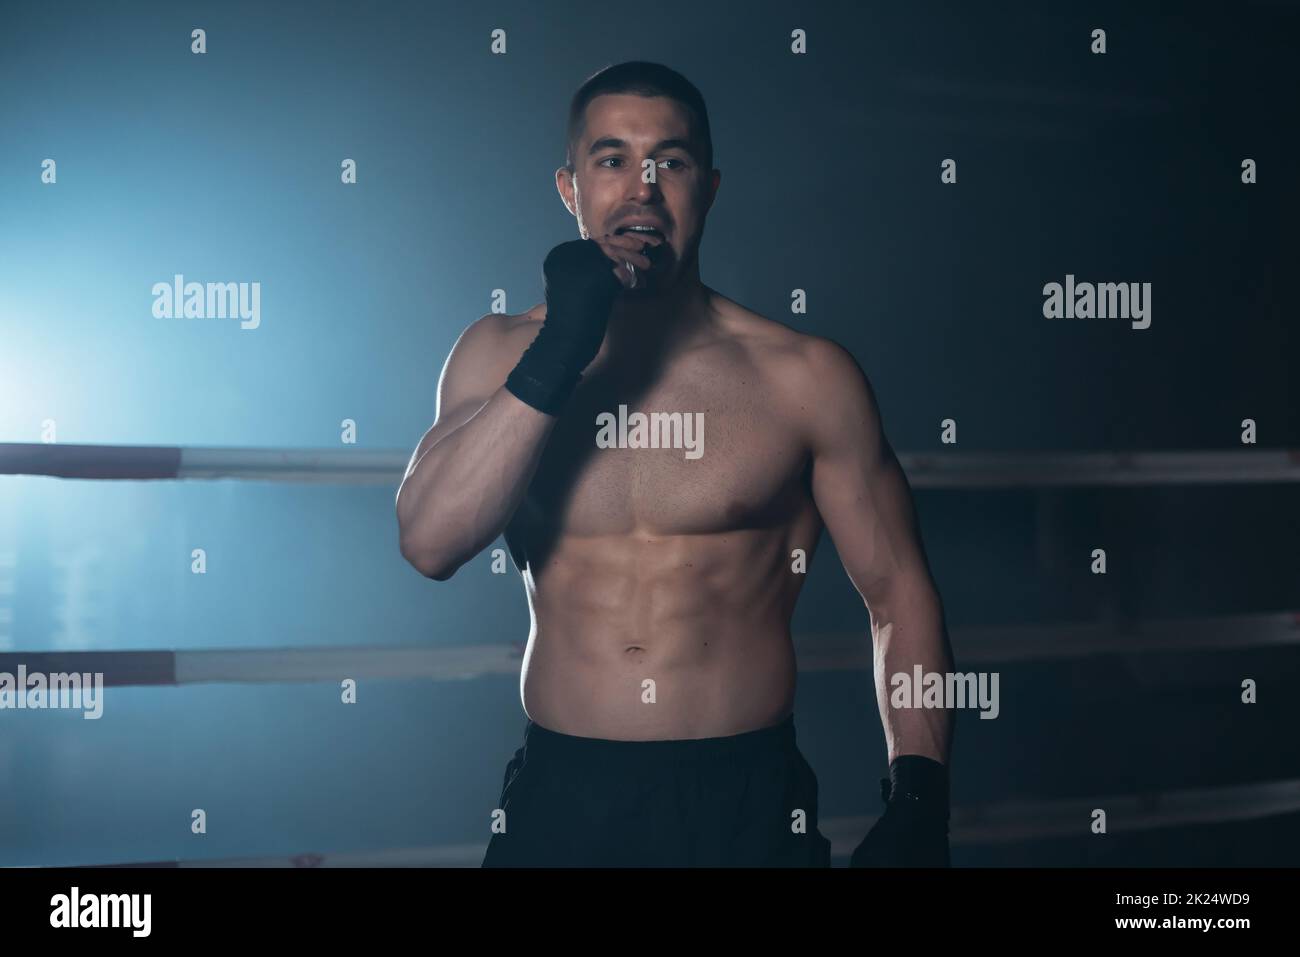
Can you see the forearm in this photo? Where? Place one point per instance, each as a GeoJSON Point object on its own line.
{"type": "Point", "coordinates": [908, 630]}
{"type": "Point", "coordinates": [460, 494]}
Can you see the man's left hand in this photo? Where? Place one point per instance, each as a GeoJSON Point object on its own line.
{"type": "Point", "coordinates": [914, 829]}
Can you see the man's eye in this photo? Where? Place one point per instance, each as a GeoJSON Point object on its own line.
{"type": "Point", "coordinates": [615, 159]}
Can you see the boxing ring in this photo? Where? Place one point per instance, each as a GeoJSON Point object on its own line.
{"type": "Point", "coordinates": [1138, 642]}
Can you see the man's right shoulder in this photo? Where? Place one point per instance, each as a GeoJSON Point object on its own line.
{"type": "Point", "coordinates": [489, 347]}
{"type": "Point", "coordinates": [499, 327]}
{"type": "Point", "coordinates": [496, 336]}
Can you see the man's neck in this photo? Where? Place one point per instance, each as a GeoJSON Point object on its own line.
{"type": "Point", "coordinates": [674, 318]}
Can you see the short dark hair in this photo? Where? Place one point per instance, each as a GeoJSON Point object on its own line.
{"type": "Point", "coordinates": [642, 79]}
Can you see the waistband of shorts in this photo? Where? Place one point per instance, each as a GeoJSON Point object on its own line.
{"type": "Point", "coordinates": [544, 743]}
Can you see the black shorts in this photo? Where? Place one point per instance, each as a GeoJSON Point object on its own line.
{"type": "Point", "coordinates": [746, 800]}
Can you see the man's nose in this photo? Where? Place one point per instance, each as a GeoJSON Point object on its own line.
{"type": "Point", "coordinates": [638, 188]}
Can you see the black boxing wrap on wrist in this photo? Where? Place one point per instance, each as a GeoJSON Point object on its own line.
{"type": "Point", "coordinates": [913, 831]}
{"type": "Point", "coordinates": [541, 382]}
{"type": "Point", "coordinates": [580, 289]}
{"type": "Point", "coordinates": [918, 784]}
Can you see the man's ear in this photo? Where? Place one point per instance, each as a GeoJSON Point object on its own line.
{"type": "Point", "coordinates": [564, 185]}
{"type": "Point", "coordinates": [715, 180]}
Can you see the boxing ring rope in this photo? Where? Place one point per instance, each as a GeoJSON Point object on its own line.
{"type": "Point", "coordinates": [993, 823]}
{"type": "Point", "coordinates": [386, 466]}
{"type": "Point", "coordinates": [816, 652]}
{"type": "Point", "coordinates": [1003, 822]}
{"type": "Point", "coordinates": [145, 462]}
{"type": "Point", "coordinates": [1006, 821]}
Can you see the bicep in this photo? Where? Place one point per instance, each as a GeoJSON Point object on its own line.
{"type": "Point", "coordinates": [465, 385]}
{"type": "Point", "coordinates": [858, 484]}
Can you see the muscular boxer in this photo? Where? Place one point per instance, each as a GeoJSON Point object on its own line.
{"type": "Point", "coordinates": [659, 677]}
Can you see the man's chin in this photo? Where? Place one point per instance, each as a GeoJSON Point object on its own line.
{"type": "Point", "coordinates": [657, 283]}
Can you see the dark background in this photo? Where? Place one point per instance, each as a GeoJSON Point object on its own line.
{"type": "Point", "coordinates": [1123, 167]}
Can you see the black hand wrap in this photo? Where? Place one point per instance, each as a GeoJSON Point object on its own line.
{"type": "Point", "coordinates": [914, 829]}
{"type": "Point", "coordinates": [580, 289]}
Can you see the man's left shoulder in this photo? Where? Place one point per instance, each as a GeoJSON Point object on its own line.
{"type": "Point", "coordinates": [809, 367]}
{"type": "Point", "coordinates": [791, 357]}
{"type": "Point", "coordinates": [812, 383]}
{"type": "Point", "coordinates": [826, 364]}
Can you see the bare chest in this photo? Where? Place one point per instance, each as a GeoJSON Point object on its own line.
{"type": "Point", "coordinates": [700, 450]}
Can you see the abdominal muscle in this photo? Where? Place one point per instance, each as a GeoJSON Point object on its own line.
{"type": "Point", "coordinates": [649, 637]}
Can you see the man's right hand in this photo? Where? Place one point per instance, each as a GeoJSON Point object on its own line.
{"type": "Point", "coordinates": [580, 290]}
{"type": "Point", "coordinates": [578, 293]}
{"type": "Point", "coordinates": [629, 249]}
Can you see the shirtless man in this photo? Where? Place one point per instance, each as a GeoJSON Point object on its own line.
{"type": "Point", "coordinates": [659, 676]}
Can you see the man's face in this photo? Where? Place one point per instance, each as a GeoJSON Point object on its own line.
{"type": "Point", "coordinates": [607, 191]}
